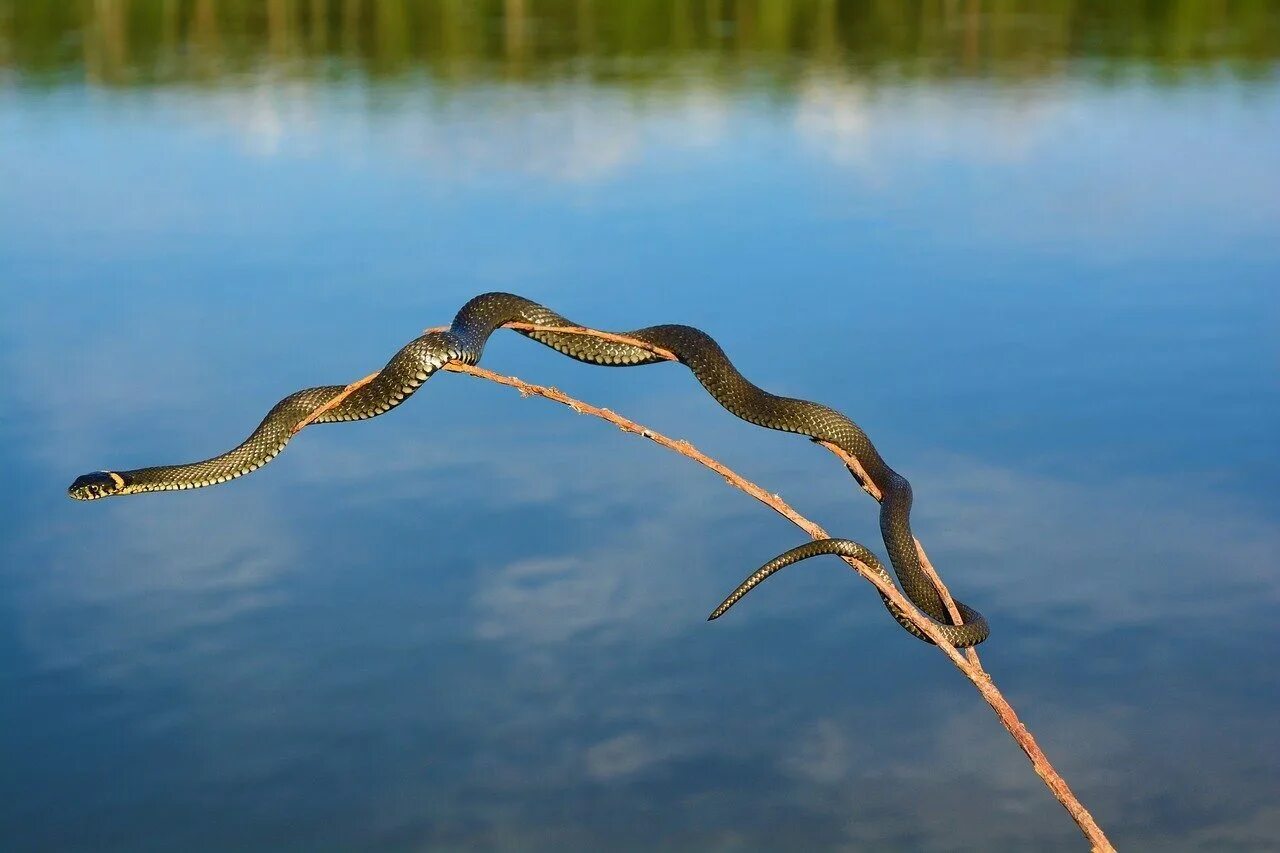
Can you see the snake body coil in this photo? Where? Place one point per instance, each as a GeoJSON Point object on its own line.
{"type": "Point", "coordinates": [464, 342]}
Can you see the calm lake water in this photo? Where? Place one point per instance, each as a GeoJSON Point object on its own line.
{"type": "Point", "coordinates": [1034, 253]}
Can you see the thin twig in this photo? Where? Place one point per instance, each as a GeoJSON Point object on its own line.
{"type": "Point", "coordinates": [975, 673]}
{"type": "Point", "coordinates": [579, 330]}
{"type": "Point", "coordinates": [333, 402]}
{"type": "Point", "coordinates": [969, 666]}
{"type": "Point", "coordinates": [595, 333]}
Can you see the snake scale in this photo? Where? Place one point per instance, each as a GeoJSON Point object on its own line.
{"type": "Point", "coordinates": [464, 342]}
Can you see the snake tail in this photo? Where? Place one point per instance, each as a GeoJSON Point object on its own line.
{"type": "Point", "coordinates": [972, 632]}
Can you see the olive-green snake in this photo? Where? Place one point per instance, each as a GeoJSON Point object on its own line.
{"type": "Point", "coordinates": [464, 342]}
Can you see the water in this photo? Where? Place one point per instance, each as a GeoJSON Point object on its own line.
{"type": "Point", "coordinates": [1033, 252]}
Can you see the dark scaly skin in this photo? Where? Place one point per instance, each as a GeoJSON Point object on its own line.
{"type": "Point", "coordinates": [464, 342]}
{"type": "Point", "coordinates": [973, 631]}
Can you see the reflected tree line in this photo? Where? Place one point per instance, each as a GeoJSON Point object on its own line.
{"type": "Point", "coordinates": [140, 42]}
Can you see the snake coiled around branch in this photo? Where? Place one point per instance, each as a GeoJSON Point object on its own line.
{"type": "Point", "coordinates": [464, 342]}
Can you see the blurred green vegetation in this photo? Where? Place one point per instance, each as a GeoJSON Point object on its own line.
{"type": "Point", "coordinates": [147, 42]}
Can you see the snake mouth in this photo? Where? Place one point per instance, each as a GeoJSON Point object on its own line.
{"type": "Point", "coordinates": [98, 484]}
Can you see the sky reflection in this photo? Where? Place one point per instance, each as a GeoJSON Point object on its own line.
{"type": "Point", "coordinates": [1033, 254]}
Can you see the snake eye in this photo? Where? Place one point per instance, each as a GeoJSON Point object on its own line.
{"type": "Point", "coordinates": [98, 484]}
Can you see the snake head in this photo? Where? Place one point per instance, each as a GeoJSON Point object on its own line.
{"type": "Point", "coordinates": [99, 484]}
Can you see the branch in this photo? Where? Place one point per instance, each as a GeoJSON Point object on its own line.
{"type": "Point", "coordinates": [970, 666]}
{"type": "Point", "coordinates": [333, 402]}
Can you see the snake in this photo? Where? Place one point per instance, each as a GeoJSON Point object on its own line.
{"type": "Point", "coordinates": [464, 340]}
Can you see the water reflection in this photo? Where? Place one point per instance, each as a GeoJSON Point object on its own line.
{"type": "Point", "coordinates": [1031, 249]}
{"type": "Point", "coordinates": [118, 42]}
